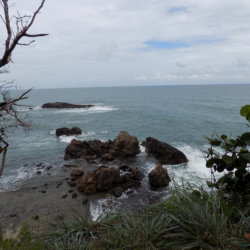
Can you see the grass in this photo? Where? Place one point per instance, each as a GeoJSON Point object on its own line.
{"type": "Point", "coordinates": [190, 219]}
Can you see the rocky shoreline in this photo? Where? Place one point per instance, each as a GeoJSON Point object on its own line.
{"type": "Point", "coordinates": [94, 170]}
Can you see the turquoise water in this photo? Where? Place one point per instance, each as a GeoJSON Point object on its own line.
{"type": "Point", "coordinates": [178, 115]}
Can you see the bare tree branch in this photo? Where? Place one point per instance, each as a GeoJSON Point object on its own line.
{"type": "Point", "coordinates": [4, 152]}
{"type": "Point", "coordinates": [13, 40]}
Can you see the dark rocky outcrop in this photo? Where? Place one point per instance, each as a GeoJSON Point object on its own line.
{"type": "Point", "coordinates": [109, 179]}
{"type": "Point", "coordinates": [163, 152]}
{"type": "Point", "coordinates": [64, 105]}
{"type": "Point", "coordinates": [68, 131]}
{"type": "Point", "coordinates": [159, 177]}
{"type": "Point", "coordinates": [124, 145]}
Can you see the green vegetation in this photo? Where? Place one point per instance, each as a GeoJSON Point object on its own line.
{"type": "Point", "coordinates": [191, 218]}
{"type": "Point", "coordinates": [235, 160]}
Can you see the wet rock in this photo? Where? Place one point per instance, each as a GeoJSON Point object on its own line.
{"type": "Point", "coordinates": [117, 191]}
{"type": "Point", "coordinates": [68, 131]}
{"type": "Point", "coordinates": [74, 195]}
{"type": "Point", "coordinates": [12, 215]}
{"type": "Point", "coordinates": [124, 145]}
{"type": "Point", "coordinates": [159, 177]}
{"type": "Point", "coordinates": [35, 217]}
{"type": "Point", "coordinates": [163, 152]}
{"type": "Point", "coordinates": [109, 179]}
{"type": "Point", "coordinates": [64, 105]}
{"type": "Point", "coordinates": [130, 192]}
{"type": "Point", "coordinates": [136, 174]}
{"type": "Point", "coordinates": [106, 178]}
{"type": "Point", "coordinates": [77, 172]}
{"type": "Point", "coordinates": [87, 184]}
{"type": "Point", "coordinates": [70, 166]}
{"type": "Point", "coordinates": [64, 196]}
{"type": "Point", "coordinates": [124, 168]}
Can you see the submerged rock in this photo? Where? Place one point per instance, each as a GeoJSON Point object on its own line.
{"type": "Point", "coordinates": [124, 145]}
{"type": "Point", "coordinates": [68, 131]}
{"type": "Point", "coordinates": [159, 177]}
{"type": "Point", "coordinates": [64, 105]}
{"type": "Point", "coordinates": [163, 152]}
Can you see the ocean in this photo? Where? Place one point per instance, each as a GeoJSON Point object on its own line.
{"type": "Point", "coordinates": [179, 115]}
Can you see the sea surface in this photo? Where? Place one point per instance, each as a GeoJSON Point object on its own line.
{"type": "Point", "coordinates": [179, 115]}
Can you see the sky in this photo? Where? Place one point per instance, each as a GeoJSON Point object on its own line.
{"type": "Point", "coordinates": [133, 43]}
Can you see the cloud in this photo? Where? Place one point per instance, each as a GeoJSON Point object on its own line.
{"type": "Point", "coordinates": [100, 43]}
{"type": "Point", "coordinates": [242, 62]}
{"type": "Point", "coordinates": [141, 78]}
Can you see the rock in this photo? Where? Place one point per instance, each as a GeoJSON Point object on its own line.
{"type": "Point", "coordinates": [68, 131]}
{"type": "Point", "coordinates": [74, 195]}
{"type": "Point", "coordinates": [107, 178]}
{"type": "Point", "coordinates": [159, 177]}
{"type": "Point", "coordinates": [163, 152]}
{"type": "Point", "coordinates": [64, 105]}
{"type": "Point", "coordinates": [87, 184]}
{"type": "Point", "coordinates": [77, 172]}
{"type": "Point", "coordinates": [136, 174]}
{"type": "Point", "coordinates": [117, 191]}
{"type": "Point", "coordinates": [35, 217]}
{"type": "Point", "coordinates": [123, 146]}
{"type": "Point", "coordinates": [124, 168]}
{"type": "Point", "coordinates": [130, 192]}
{"type": "Point", "coordinates": [64, 196]}
{"type": "Point", "coordinates": [88, 150]}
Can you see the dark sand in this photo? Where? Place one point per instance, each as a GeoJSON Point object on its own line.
{"type": "Point", "coordinates": [43, 202]}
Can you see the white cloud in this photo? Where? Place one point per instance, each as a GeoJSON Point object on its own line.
{"type": "Point", "coordinates": [95, 43]}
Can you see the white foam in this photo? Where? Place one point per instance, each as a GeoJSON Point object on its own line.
{"type": "Point", "coordinates": [102, 206]}
{"type": "Point", "coordinates": [95, 109]}
{"type": "Point", "coordinates": [73, 122]}
{"type": "Point", "coordinates": [26, 109]}
{"type": "Point", "coordinates": [142, 148]}
{"type": "Point", "coordinates": [83, 136]}
{"type": "Point", "coordinates": [15, 178]}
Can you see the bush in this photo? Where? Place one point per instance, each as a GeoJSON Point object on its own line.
{"type": "Point", "coordinates": [234, 161]}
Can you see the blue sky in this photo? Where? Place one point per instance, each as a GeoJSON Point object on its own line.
{"type": "Point", "coordinates": [124, 42]}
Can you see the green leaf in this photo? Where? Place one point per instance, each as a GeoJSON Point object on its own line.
{"type": "Point", "coordinates": [245, 110]}
{"type": "Point", "coordinates": [210, 163]}
{"type": "Point", "coordinates": [215, 142]}
{"type": "Point", "coordinates": [223, 137]}
{"type": "Point", "coordinates": [227, 159]}
{"type": "Point", "coordinates": [246, 156]}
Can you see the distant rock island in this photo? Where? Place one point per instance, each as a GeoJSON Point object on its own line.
{"type": "Point", "coordinates": [64, 105]}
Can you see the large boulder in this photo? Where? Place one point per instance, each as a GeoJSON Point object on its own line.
{"type": "Point", "coordinates": [89, 150]}
{"type": "Point", "coordinates": [64, 105]}
{"type": "Point", "coordinates": [159, 177]}
{"type": "Point", "coordinates": [124, 145]}
{"type": "Point", "coordinates": [68, 131]}
{"type": "Point", "coordinates": [107, 178]}
{"type": "Point", "coordinates": [163, 152]}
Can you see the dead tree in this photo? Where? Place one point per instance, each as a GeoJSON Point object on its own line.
{"type": "Point", "coordinates": [17, 34]}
